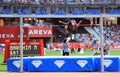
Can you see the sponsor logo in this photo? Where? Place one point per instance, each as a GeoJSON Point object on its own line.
{"type": "Point", "coordinates": [16, 63]}
{"type": "Point", "coordinates": [82, 63]}
{"type": "Point", "coordinates": [6, 35]}
{"type": "Point", "coordinates": [59, 63]}
{"type": "Point", "coordinates": [37, 63]}
{"type": "Point", "coordinates": [40, 32]}
{"type": "Point", "coordinates": [10, 36]}
{"type": "Point", "coordinates": [107, 63]}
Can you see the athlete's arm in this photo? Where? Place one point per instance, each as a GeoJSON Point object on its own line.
{"type": "Point", "coordinates": [79, 23]}
{"type": "Point", "coordinates": [62, 22]}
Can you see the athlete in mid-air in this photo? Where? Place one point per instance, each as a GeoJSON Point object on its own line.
{"type": "Point", "coordinates": [70, 28]}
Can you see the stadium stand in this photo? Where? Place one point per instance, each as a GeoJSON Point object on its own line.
{"type": "Point", "coordinates": [96, 11]}
{"type": "Point", "coordinates": [59, 12]}
{"type": "Point", "coordinates": [114, 11]}
{"type": "Point", "coordinates": [19, 4]}
{"type": "Point", "coordinates": [37, 12]}
{"type": "Point", "coordinates": [19, 11]}
{"type": "Point", "coordinates": [110, 34]}
{"type": "Point", "coordinates": [77, 12]}
{"type": "Point", "coordinates": [2, 11]}
{"type": "Point", "coordinates": [8, 11]}
{"type": "Point", "coordinates": [44, 12]}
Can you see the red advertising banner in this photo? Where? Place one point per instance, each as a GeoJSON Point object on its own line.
{"type": "Point", "coordinates": [40, 31]}
{"type": "Point", "coordinates": [115, 47]}
{"type": "Point", "coordinates": [81, 45]}
{"type": "Point", "coordinates": [11, 33]}
{"type": "Point", "coordinates": [74, 45]}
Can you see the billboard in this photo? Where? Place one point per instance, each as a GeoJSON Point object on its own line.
{"type": "Point", "coordinates": [40, 31]}
{"type": "Point", "coordinates": [13, 32]}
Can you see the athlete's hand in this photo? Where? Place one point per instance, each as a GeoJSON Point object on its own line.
{"type": "Point", "coordinates": [60, 21]}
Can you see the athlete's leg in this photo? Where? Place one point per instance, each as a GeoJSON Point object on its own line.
{"type": "Point", "coordinates": [66, 30]}
{"type": "Point", "coordinates": [70, 33]}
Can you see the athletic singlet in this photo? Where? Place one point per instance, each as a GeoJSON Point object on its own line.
{"type": "Point", "coordinates": [69, 23]}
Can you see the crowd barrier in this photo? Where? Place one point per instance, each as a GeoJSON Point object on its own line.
{"type": "Point", "coordinates": [64, 64]}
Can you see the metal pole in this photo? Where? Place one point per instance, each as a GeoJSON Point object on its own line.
{"type": "Point", "coordinates": [101, 43]}
{"type": "Point", "coordinates": [21, 44]}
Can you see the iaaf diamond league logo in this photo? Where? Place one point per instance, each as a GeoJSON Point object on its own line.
{"type": "Point", "coordinates": [59, 63]}
{"type": "Point", "coordinates": [16, 63]}
{"type": "Point", "coordinates": [82, 63]}
{"type": "Point", "coordinates": [107, 63]}
{"type": "Point", "coordinates": [37, 63]}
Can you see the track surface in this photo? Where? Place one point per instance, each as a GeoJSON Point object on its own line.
{"type": "Point", "coordinates": [60, 74]}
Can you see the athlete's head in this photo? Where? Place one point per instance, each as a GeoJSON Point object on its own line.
{"type": "Point", "coordinates": [73, 22]}
{"type": "Point", "coordinates": [65, 40]}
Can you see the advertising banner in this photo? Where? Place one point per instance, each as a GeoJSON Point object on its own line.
{"type": "Point", "coordinates": [11, 33]}
{"type": "Point", "coordinates": [40, 31]}
{"type": "Point", "coordinates": [115, 47]}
